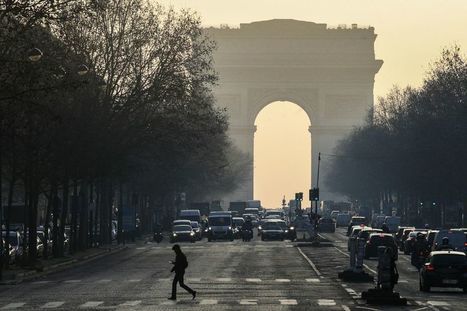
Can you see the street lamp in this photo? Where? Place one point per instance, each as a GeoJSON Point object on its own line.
{"type": "Point", "coordinates": [35, 55]}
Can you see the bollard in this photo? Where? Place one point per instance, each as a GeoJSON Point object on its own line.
{"type": "Point", "coordinates": [352, 257]}
{"type": "Point", "coordinates": [360, 255]}
{"type": "Point", "coordinates": [383, 292]}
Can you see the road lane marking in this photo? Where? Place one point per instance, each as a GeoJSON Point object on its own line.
{"type": "Point", "coordinates": [224, 280]}
{"type": "Point", "coordinates": [249, 301]}
{"type": "Point", "coordinates": [288, 302]}
{"type": "Point", "coordinates": [41, 282]}
{"type": "Point", "coordinates": [253, 280]}
{"type": "Point", "coordinates": [282, 280]}
{"type": "Point", "coordinates": [131, 303]}
{"type": "Point", "coordinates": [309, 262]}
{"type": "Point", "coordinates": [134, 280]}
{"type": "Point", "coordinates": [91, 304]}
{"type": "Point", "coordinates": [194, 279]}
{"type": "Point", "coordinates": [436, 303]}
{"type": "Point", "coordinates": [104, 281]}
{"type": "Point", "coordinates": [14, 305]}
{"type": "Point", "coordinates": [313, 280]}
{"type": "Point", "coordinates": [365, 265]}
{"type": "Point", "coordinates": [72, 281]}
{"type": "Point", "coordinates": [326, 302]}
{"type": "Point", "coordinates": [208, 302]}
{"type": "Point", "coordinates": [53, 304]}
{"type": "Point", "coordinates": [345, 308]}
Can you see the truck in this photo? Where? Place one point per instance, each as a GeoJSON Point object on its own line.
{"type": "Point", "coordinates": [238, 207]}
{"type": "Point", "coordinates": [254, 204]}
{"type": "Point", "coordinates": [203, 207]}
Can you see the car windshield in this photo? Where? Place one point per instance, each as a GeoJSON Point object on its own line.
{"type": "Point", "coordinates": [194, 225]}
{"type": "Point", "coordinates": [448, 259]}
{"type": "Point", "coordinates": [220, 221]}
{"type": "Point", "coordinates": [182, 228]}
{"type": "Point", "coordinates": [271, 226]}
{"type": "Point", "coordinates": [282, 225]}
{"type": "Point", "coordinates": [326, 220]}
{"type": "Point", "coordinates": [384, 240]}
{"type": "Point", "coordinates": [274, 213]}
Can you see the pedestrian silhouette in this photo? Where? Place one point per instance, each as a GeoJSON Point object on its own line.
{"type": "Point", "coordinates": [180, 264]}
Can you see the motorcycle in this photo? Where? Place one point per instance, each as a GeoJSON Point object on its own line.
{"type": "Point", "coordinates": [419, 259]}
{"type": "Point", "coordinates": [157, 237]}
{"type": "Point", "coordinates": [247, 235]}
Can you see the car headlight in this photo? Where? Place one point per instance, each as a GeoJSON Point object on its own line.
{"type": "Point", "coordinates": [260, 228]}
{"type": "Point", "coordinates": [286, 231]}
{"type": "Point", "coordinates": [210, 229]}
{"type": "Point", "coordinates": [192, 233]}
{"type": "Point", "coordinates": [230, 228]}
{"type": "Point", "coordinates": [292, 228]}
{"type": "Point", "coordinates": [174, 234]}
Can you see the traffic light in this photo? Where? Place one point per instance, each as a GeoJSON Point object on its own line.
{"type": "Point", "coordinates": [314, 194]}
{"type": "Point", "coordinates": [298, 196]}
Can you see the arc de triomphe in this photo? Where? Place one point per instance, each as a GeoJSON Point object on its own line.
{"type": "Point", "coordinates": [327, 72]}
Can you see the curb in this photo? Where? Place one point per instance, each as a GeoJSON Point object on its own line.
{"type": "Point", "coordinates": [71, 263]}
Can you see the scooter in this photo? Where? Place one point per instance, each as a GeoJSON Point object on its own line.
{"type": "Point", "coordinates": [419, 259]}
{"type": "Point", "coordinates": [158, 237]}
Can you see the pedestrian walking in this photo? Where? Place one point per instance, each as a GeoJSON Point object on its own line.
{"type": "Point", "coordinates": [180, 264]}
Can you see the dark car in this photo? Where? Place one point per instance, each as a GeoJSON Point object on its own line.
{"type": "Point", "coordinates": [444, 269]}
{"type": "Point", "coordinates": [182, 233]}
{"type": "Point", "coordinates": [405, 235]}
{"type": "Point", "coordinates": [326, 225]}
{"type": "Point", "coordinates": [430, 237]}
{"type": "Point", "coordinates": [237, 226]}
{"type": "Point", "coordinates": [272, 231]}
{"type": "Point", "coordinates": [379, 239]}
{"type": "Point", "coordinates": [289, 231]}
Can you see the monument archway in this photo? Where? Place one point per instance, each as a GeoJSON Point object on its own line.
{"type": "Point", "coordinates": [328, 72]}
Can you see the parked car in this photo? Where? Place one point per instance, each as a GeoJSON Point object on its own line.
{"type": "Point", "coordinates": [326, 224]}
{"type": "Point", "coordinates": [444, 269]}
{"type": "Point", "coordinates": [272, 231]}
{"type": "Point", "coordinates": [182, 233]}
{"type": "Point", "coordinates": [380, 239]}
{"type": "Point", "coordinates": [16, 245]}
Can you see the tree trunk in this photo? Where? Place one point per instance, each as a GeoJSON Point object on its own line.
{"type": "Point", "coordinates": [63, 217]}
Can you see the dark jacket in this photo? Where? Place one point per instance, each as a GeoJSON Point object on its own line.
{"type": "Point", "coordinates": [180, 264]}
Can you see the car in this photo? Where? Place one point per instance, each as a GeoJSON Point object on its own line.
{"type": "Point", "coordinates": [444, 269]}
{"type": "Point", "coordinates": [197, 229]}
{"type": "Point", "coordinates": [326, 224]}
{"type": "Point", "coordinates": [253, 218]}
{"type": "Point", "coordinates": [399, 234]}
{"type": "Point", "coordinates": [405, 235]}
{"type": "Point", "coordinates": [334, 214]}
{"type": "Point", "coordinates": [355, 220]}
{"type": "Point", "coordinates": [380, 239]}
{"type": "Point", "coordinates": [366, 231]}
{"type": "Point", "coordinates": [41, 235]}
{"type": "Point", "coordinates": [279, 213]}
{"type": "Point", "coordinates": [220, 227]}
{"type": "Point", "coordinates": [342, 219]}
{"type": "Point", "coordinates": [272, 231]}
{"type": "Point", "coordinates": [392, 222]}
{"type": "Point", "coordinates": [456, 240]}
{"type": "Point", "coordinates": [182, 233]}
{"type": "Point", "coordinates": [430, 237]}
{"type": "Point", "coordinates": [378, 221]}
{"type": "Point", "coordinates": [289, 231]}
{"type": "Point", "coordinates": [354, 233]}
{"type": "Point", "coordinates": [16, 244]}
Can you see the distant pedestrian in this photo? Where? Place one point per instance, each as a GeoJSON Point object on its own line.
{"type": "Point", "coordinates": [180, 264]}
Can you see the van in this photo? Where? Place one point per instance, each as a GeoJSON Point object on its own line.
{"type": "Point", "coordinates": [220, 227]}
{"type": "Point", "coordinates": [393, 223]}
{"type": "Point", "coordinates": [342, 219]}
{"type": "Point", "coordinates": [191, 215]}
{"type": "Point", "coordinates": [456, 240]}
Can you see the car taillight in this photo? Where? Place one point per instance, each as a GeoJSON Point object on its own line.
{"type": "Point", "coordinates": [429, 267]}
{"type": "Point", "coordinates": [465, 244]}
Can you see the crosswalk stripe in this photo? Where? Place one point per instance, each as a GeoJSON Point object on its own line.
{"type": "Point", "coordinates": [134, 280]}
{"type": "Point", "coordinates": [326, 302]}
{"type": "Point", "coordinates": [132, 303]}
{"type": "Point", "coordinates": [104, 281]}
{"type": "Point", "coordinates": [41, 282]}
{"type": "Point", "coordinates": [208, 302]}
{"type": "Point", "coordinates": [91, 304]}
{"type": "Point", "coordinates": [253, 280]}
{"type": "Point", "coordinates": [313, 280]}
{"type": "Point", "coordinates": [53, 304]}
{"type": "Point", "coordinates": [72, 281]}
{"type": "Point", "coordinates": [249, 302]}
{"type": "Point", "coordinates": [194, 279]}
{"type": "Point", "coordinates": [224, 279]}
{"type": "Point", "coordinates": [282, 280]}
{"type": "Point", "coordinates": [14, 305]}
{"type": "Point", "coordinates": [435, 303]}
{"type": "Point", "coordinates": [288, 302]}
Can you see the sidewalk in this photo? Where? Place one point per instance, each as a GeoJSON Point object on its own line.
{"type": "Point", "coordinates": [16, 275]}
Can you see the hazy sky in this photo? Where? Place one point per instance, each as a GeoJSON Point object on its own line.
{"type": "Point", "coordinates": [411, 34]}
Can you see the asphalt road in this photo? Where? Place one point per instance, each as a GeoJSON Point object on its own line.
{"type": "Point", "coordinates": [235, 275]}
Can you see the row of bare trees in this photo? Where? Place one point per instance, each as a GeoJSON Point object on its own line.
{"type": "Point", "coordinates": [117, 113]}
{"type": "Point", "coordinates": [411, 153]}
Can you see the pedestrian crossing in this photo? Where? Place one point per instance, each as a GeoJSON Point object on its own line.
{"type": "Point", "coordinates": [188, 279]}
{"type": "Point", "coordinates": [99, 304]}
